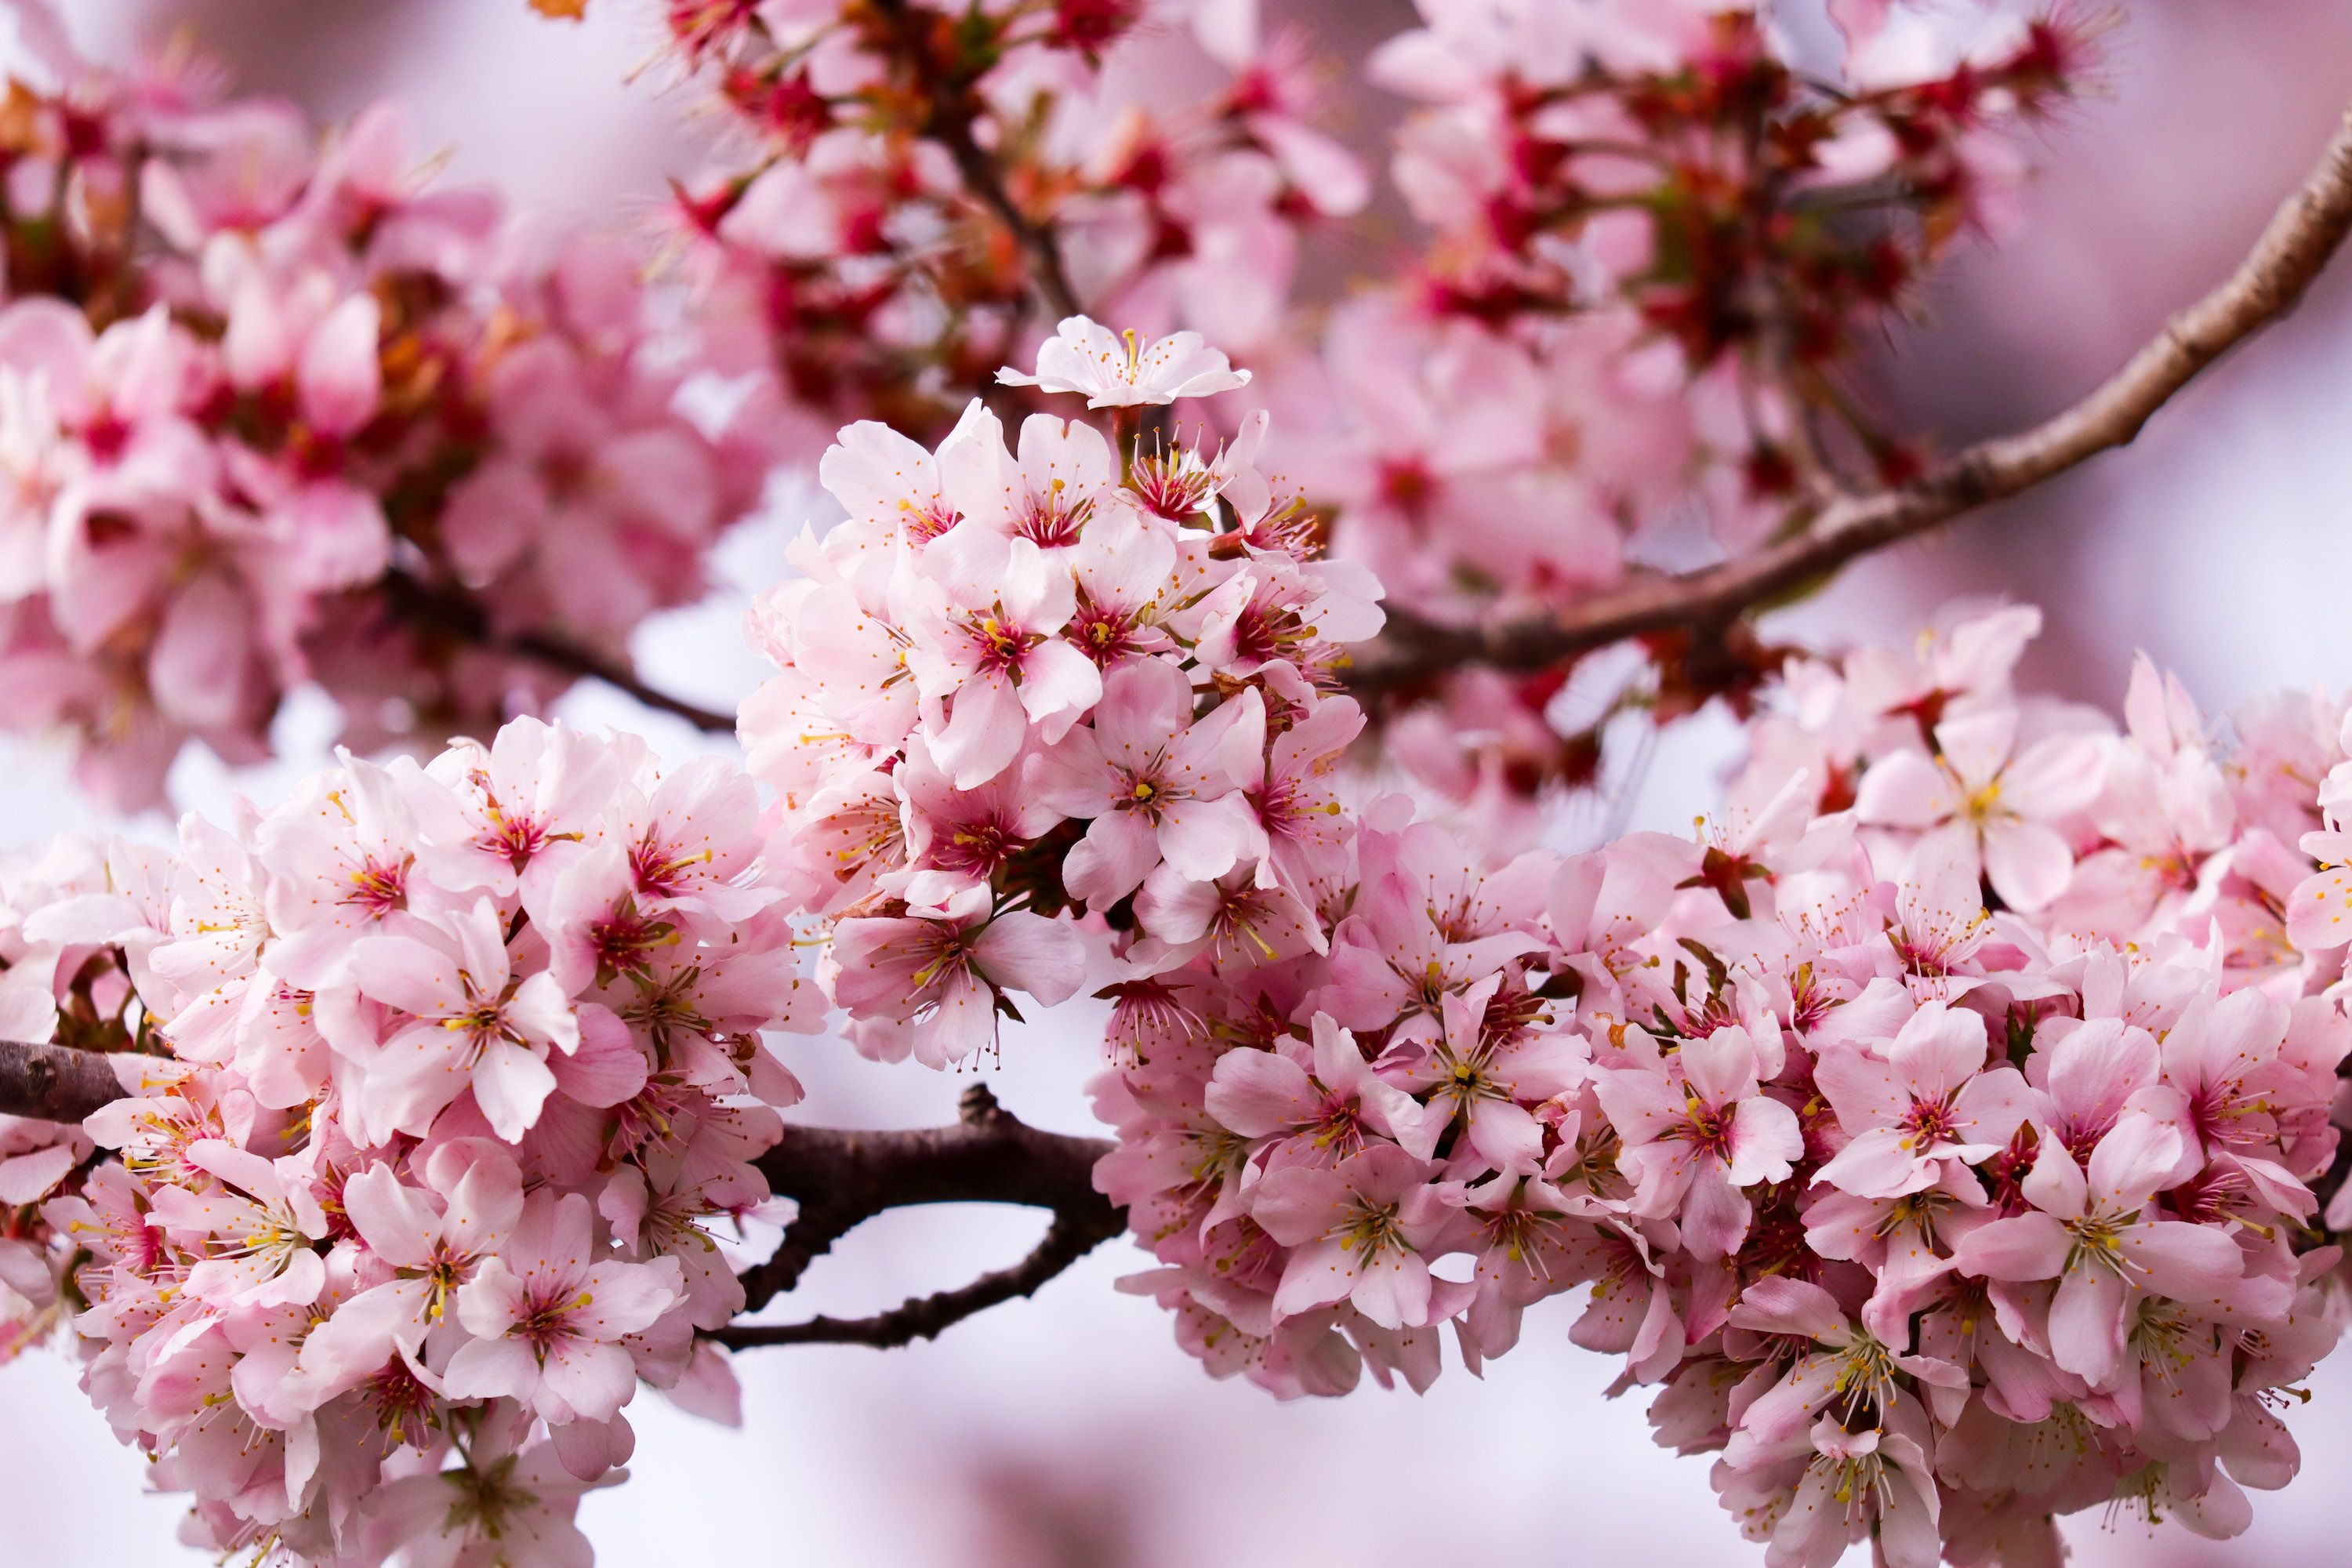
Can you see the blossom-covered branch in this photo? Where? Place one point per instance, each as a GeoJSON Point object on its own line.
{"type": "Point", "coordinates": [837, 1178]}
{"type": "Point", "coordinates": [1946, 1130]}
{"type": "Point", "coordinates": [2301, 237]}
{"type": "Point", "coordinates": [949, 107]}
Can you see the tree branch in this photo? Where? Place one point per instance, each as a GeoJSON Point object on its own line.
{"type": "Point", "coordinates": [53, 1083]}
{"type": "Point", "coordinates": [923, 1317]}
{"type": "Point", "coordinates": [449, 612]}
{"type": "Point", "coordinates": [950, 123]}
{"type": "Point", "coordinates": [578, 661]}
{"type": "Point", "coordinates": [2306, 231]}
{"type": "Point", "coordinates": [841, 1179]}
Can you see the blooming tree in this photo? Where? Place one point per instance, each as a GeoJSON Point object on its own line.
{"type": "Point", "coordinates": [1944, 1135]}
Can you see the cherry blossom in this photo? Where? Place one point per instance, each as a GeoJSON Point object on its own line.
{"type": "Point", "coordinates": [546, 1319]}
{"type": "Point", "coordinates": [1088, 359]}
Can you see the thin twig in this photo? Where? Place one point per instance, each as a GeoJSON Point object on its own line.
{"type": "Point", "coordinates": [53, 1083]}
{"type": "Point", "coordinates": [2307, 230]}
{"type": "Point", "coordinates": [924, 1317]}
{"type": "Point", "coordinates": [572, 660]}
{"type": "Point", "coordinates": [437, 610]}
{"type": "Point", "coordinates": [842, 1178]}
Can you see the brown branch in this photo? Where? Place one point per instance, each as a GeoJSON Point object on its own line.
{"type": "Point", "coordinates": [950, 123]}
{"type": "Point", "coordinates": [2306, 231]}
{"type": "Point", "coordinates": [842, 1178]}
{"type": "Point", "coordinates": [53, 1083]}
{"type": "Point", "coordinates": [923, 1317]}
{"type": "Point", "coordinates": [435, 610]}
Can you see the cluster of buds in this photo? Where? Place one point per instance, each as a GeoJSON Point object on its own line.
{"type": "Point", "coordinates": [274, 412]}
{"type": "Point", "coordinates": [1943, 1132]}
{"type": "Point", "coordinates": [920, 174]}
{"type": "Point", "coordinates": [438, 1084]}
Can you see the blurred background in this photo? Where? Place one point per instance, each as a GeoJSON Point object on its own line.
{"type": "Point", "coordinates": [1069, 1432]}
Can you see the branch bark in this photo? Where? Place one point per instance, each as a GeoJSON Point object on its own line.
{"type": "Point", "coordinates": [53, 1083]}
{"type": "Point", "coordinates": [841, 1179]}
{"type": "Point", "coordinates": [2307, 232]}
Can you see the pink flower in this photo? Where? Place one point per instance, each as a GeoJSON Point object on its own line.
{"type": "Point", "coordinates": [1065, 477]}
{"type": "Point", "coordinates": [1533, 1241]}
{"type": "Point", "coordinates": [547, 1314]}
{"type": "Point", "coordinates": [1235, 922]}
{"type": "Point", "coordinates": [945, 975]}
{"type": "Point", "coordinates": [1361, 1230]}
{"type": "Point", "coordinates": [958, 839]}
{"type": "Point", "coordinates": [303, 336]}
{"type": "Point", "coordinates": [1087, 359]}
{"type": "Point", "coordinates": [1126, 571]}
{"type": "Point", "coordinates": [694, 842]}
{"type": "Point", "coordinates": [1485, 1071]}
{"type": "Point", "coordinates": [1426, 923]}
{"type": "Point", "coordinates": [1929, 1102]}
{"type": "Point", "coordinates": [1298, 799]}
{"type": "Point", "coordinates": [1317, 1102]}
{"type": "Point", "coordinates": [255, 1234]}
{"type": "Point", "coordinates": [432, 1239]}
{"type": "Point", "coordinates": [1697, 1132]}
{"type": "Point", "coordinates": [2087, 1075]}
{"type": "Point", "coordinates": [890, 485]}
{"type": "Point", "coordinates": [1155, 784]}
{"type": "Point", "coordinates": [596, 922]}
{"type": "Point", "coordinates": [988, 666]}
{"type": "Point", "coordinates": [1836, 1360]}
{"type": "Point", "coordinates": [505, 1506]}
{"type": "Point", "coordinates": [597, 505]}
{"type": "Point", "coordinates": [526, 805]}
{"type": "Point", "coordinates": [1873, 1483]}
{"type": "Point", "coordinates": [338, 858]}
{"type": "Point", "coordinates": [2096, 1237]}
{"type": "Point", "coordinates": [2224, 1083]}
{"type": "Point", "coordinates": [1982, 801]}
{"type": "Point", "coordinates": [471, 1022]}
{"type": "Point", "coordinates": [1632, 1312]}
{"type": "Point", "coordinates": [858, 660]}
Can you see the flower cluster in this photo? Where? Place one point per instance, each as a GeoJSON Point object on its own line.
{"type": "Point", "coordinates": [274, 413]}
{"type": "Point", "coordinates": [1655, 243]}
{"type": "Point", "coordinates": [1061, 676]}
{"type": "Point", "coordinates": [437, 1081]}
{"type": "Point", "coordinates": [878, 249]}
{"type": "Point", "coordinates": [1942, 1132]}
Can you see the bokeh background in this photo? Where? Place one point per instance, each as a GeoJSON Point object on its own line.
{"type": "Point", "coordinates": [1067, 1431]}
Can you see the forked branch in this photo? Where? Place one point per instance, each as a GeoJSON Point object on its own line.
{"type": "Point", "coordinates": [2307, 230]}
{"type": "Point", "coordinates": [840, 1179]}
